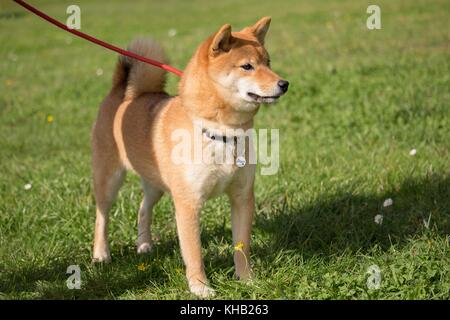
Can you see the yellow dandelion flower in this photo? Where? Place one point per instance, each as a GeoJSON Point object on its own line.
{"type": "Point", "coordinates": [141, 267]}
{"type": "Point", "coordinates": [239, 246]}
{"type": "Point", "coordinates": [50, 118]}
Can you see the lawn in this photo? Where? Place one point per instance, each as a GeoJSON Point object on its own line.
{"type": "Point", "coordinates": [360, 100]}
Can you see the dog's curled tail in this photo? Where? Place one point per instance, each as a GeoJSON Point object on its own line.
{"type": "Point", "coordinates": [140, 77]}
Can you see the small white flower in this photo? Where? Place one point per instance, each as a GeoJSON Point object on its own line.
{"type": "Point", "coordinates": [172, 32]}
{"type": "Point", "coordinates": [27, 186]}
{"type": "Point", "coordinates": [388, 202]}
{"type": "Point", "coordinates": [413, 152]}
{"type": "Point", "coordinates": [379, 219]}
{"type": "Point", "coordinates": [99, 72]}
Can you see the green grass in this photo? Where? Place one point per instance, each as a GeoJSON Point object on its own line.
{"type": "Point", "coordinates": [359, 101]}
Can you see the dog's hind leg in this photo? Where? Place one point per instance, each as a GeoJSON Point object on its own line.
{"type": "Point", "coordinates": [151, 197]}
{"type": "Point", "coordinates": [108, 178]}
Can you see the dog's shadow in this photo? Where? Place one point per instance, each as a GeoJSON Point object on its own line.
{"type": "Point", "coordinates": [128, 272]}
{"type": "Point", "coordinates": [344, 222]}
{"type": "Point", "coordinates": [330, 225]}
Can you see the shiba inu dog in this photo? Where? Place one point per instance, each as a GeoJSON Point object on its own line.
{"type": "Point", "coordinates": [222, 87]}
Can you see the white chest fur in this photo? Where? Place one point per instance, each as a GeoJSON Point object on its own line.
{"type": "Point", "coordinates": [210, 176]}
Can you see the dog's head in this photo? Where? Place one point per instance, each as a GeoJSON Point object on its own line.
{"type": "Point", "coordinates": [238, 65]}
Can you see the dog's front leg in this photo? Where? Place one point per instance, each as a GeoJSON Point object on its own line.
{"type": "Point", "coordinates": [242, 207]}
{"type": "Point", "coordinates": [188, 226]}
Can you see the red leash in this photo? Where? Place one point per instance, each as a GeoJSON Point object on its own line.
{"type": "Point", "coordinates": [97, 41]}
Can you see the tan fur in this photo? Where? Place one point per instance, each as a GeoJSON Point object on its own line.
{"type": "Point", "coordinates": [133, 132]}
{"type": "Point", "coordinates": [143, 77]}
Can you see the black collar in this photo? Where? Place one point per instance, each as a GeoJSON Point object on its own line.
{"type": "Point", "coordinates": [217, 137]}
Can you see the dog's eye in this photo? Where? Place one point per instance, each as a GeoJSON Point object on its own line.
{"type": "Point", "coordinates": [247, 66]}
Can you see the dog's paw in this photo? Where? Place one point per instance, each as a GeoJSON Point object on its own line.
{"type": "Point", "coordinates": [202, 290]}
{"type": "Point", "coordinates": [250, 281]}
{"type": "Point", "coordinates": [245, 275]}
{"type": "Point", "coordinates": [104, 258]}
{"type": "Point", "coordinates": [144, 248]}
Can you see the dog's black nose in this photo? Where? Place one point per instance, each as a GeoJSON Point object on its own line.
{"type": "Point", "coordinates": [284, 85]}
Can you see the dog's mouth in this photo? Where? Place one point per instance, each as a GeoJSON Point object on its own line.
{"type": "Point", "coordinates": [262, 99]}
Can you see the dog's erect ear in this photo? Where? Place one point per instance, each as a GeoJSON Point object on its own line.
{"type": "Point", "coordinates": [260, 29]}
{"type": "Point", "coordinates": [222, 41]}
